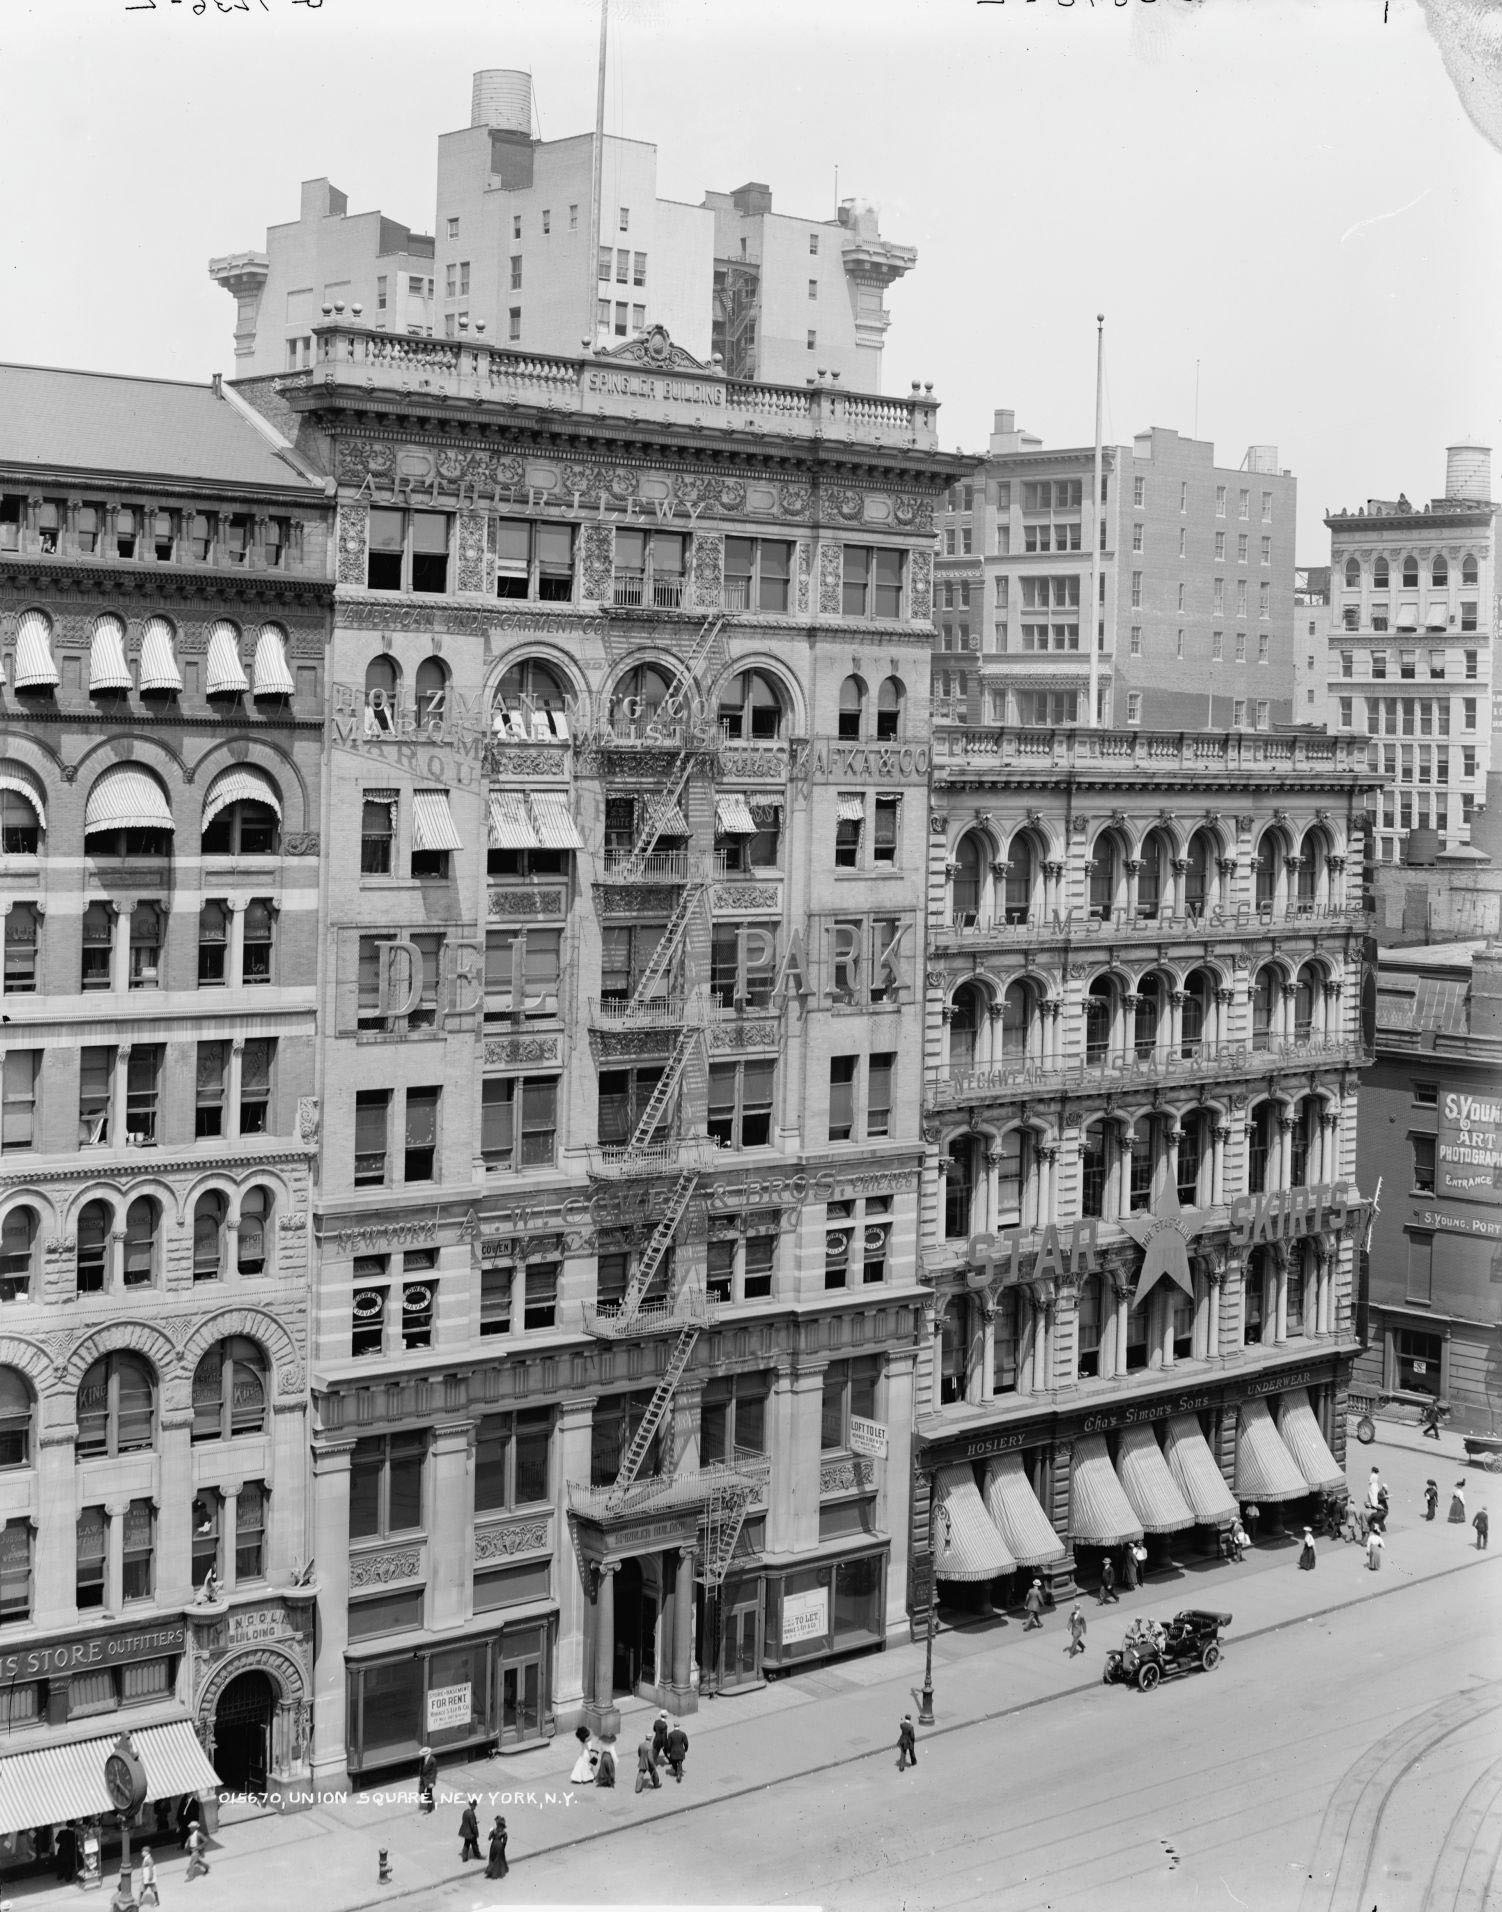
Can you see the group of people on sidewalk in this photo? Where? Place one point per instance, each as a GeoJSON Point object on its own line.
{"type": "Point", "coordinates": [1369, 1523]}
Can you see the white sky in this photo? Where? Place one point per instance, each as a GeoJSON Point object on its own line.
{"type": "Point", "coordinates": [1287, 190]}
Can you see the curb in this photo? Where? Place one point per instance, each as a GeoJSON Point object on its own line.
{"type": "Point", "coordinates": [686, 1806]}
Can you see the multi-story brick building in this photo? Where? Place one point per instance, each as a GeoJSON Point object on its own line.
{"type": "Point", "coordinates": [627, 826]}
{"type": "Point", "coordinates": [1311, 612]}
{"type": "Point", "coordinates": [1411, 624]}
{"type": "Point", "coordinates": [1194, 621]}
{"type": "Point", "coordinates": [163, 609]}
{"type": "Point", "coordinates": [516, 256]}
{"type": "Point", "coordinates": [1140, 1190]}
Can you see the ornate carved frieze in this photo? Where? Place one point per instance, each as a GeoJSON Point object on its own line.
{"type": "Point", "coordinates": [805, 569]}
{"type": "Point", "coordinates": [761, 763]}
{"type": "Point", "coordinates": [526, 763]}
{"type": "Point", "coordinates": [509, 1052]}
{"type": "Point", "coordinates": [831, 578]}
{"type": "Point", "coordinates": [635, 901]}
{"type": "Point", "coordinates": [757, 898]}
{"type": "Point", "coordinates": [596, 562]}
{"type": "Point", "coordinates": [854, 1476]}
{"type": "Point", "coordinates": [380, 1569]}
{"type": "Point", "coordinates": [921, 573]}
{"type": "Point", "coordinates": [615, 1043]}
{"type": "Point", "coordinates": [354, 520]}
{"type": "Point", "coordinates": [505, 902]}
{"type": "Point", "coordinates": [300, 843]}
{"type": "Point", "coordinates": [470, 551]}
{"type": "Point", "coordinates": [745, 1032]}
{"type": "Point", "coordinates": [506, 1539]}
{"type": "Point", "coordinates": [709, 569]}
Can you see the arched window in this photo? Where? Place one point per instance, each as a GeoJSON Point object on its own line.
{"type": "Point", "coordinates": [1193, 1157]}
{"type": "Point", "coordinates": [22, 812]}
{"type": "Point", "coordinates": [1148, 1016]}
{"type": "Point", "coordinates": [94, 1225]}
{"type": "Point", "coordinates": [1140, 1164]}
{"type": "Point", "coordinates": [1259, 1146]}
{"type": "Point", "coordinates": [229, 1391]}
{"type": "Point", "coordinates": [964, 1027]}
{"type": "Point", "coordinates": [382, 691]}
{"type": "Point", "coordinates": [1314, 860]}
{"type": "Point", "coordinates": [269, 672]}
{"type": "Point", "coordinates": [1306, 997]}
{"type": "Point", "coordinates": [1100, 1005]}
{"type": "Point", "coordinates": [18, 1242]}
{"type": "Point", "coordinates": [35, 667]}
{"type": "Point", "coordinates": [242, 809]}
{"type": "Point", "coordinates": [1470, 572]}
{"type": "Point", "coordinates": [1410, 574]}
{"type": "Point", "coordinates": [255, 1231]}
{"type": "Point", "coordinates": [1439, 572]}
{"type": "Point", "coordinates": [1016, 1024]}
{"type": "Point", "coordinates": [1266, 991]}
{"type": "Point", "coordinates": [1353, 574]}
{"type": "Point", "coordinates": [1154, 877]}
{"type": "Point", "coordinates": [1105, 876]}
{"type": "Point", "coordinates": [954, 1351]}
{"type": "Point", "coordinates": [1380, 575]}
{"type": "Point", "coordinates": [1270, 854]}
{"type": "Point", "coordinates": [639, 697]}
{"type": "Point", "coordinates": [116, 1407]}
{"type": "Point", "coordinates": [1087, 1333]}
{"type": "Point", "coordinates": [432, 690]}
{"type": "Point", "coordinates": [142, 1225]}
{"type": "Point", "coordinates": [1199, 878]}
{"type": "Point", "coordinates": [889, 701]}
{"type": "Point", "coordinates": [15, 1419]}
{"type": "Point", "coordinates": [210, 1213]}
{"type": "Point", "coordinates": [225, 675]}
{"type": "Point", "coordinates": [127, 814]}
{"type": "Point", "coordinates": [1198, 1011]}
{"type": "Point", "coordinates": [1094, 1164]}
{"type": "Point", "coordinates": [1010, 1175]}
{"type": "Point", "coordinates": [959, 1187]}
{"type": "Point", "coordinates": [751, 705]}
{"type": "Point", "coordinates": [852, 707]}
{"type": "Point", "coordinates": [531, 685]}
{"type": "Point", "coordinates": [1022, 866]}
{"type": "Point", "coordinates": [970, 869]}
{"type": "Point", "coordinates": [1305, 1127]}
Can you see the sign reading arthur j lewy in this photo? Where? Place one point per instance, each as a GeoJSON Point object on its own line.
{"type": "Point", "coordinates": [1470, 1148]}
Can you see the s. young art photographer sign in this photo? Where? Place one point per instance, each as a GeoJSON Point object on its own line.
{"type": "Point", "coordinates": [1468, 1152]}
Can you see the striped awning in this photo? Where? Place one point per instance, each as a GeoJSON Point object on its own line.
{"type": "Point", "coordinates": [852, 810]}
{"type": "Point", "coordinates": [13, 777]}
{"type": "Point", "coordinates": [667, 818]}
{"type": "Point", "coordinates": [966, 1544]}
{"type": "Point", "coordinates": [733, 816]}
{"type": "Point", "coordinates": [1437, 617]}
{"type": "Point", "coordinates": [1299, 1431]}
{"type": "Point", "coordinates": [242, 784]}
{"type": "Point", "coordinates": [1148, 1485]}
{"type": "Point", "coordinates": [1099, 1512]}
{"type": "Point", "coordinates": [1408, 617]}
{"type": "Point", "coordinates": [433, 822]}
{"type": "Point", "coordinates": [51, 1784]}
{"type": "Point", "coordinates": [511, 822]}
{"type": "Point", "coordinates": [273, 679]}
{"type": "Point", "coordinates": [554, 821]}
{"type": "Point", "coordinates": [1265, 1469]}
{"type": "Point", "coordinates": [126, 798]}
{"type": "Point", "coordinates": [108, 669]}
{"type": "Point", "coordinates": [1195, 1473]}
{"type": "Point", "coordinates": [226, 673]}
{"type": "Point", "coordinates": [34, 665]}
{"type": "Point", "coordinates": [158, 665]}
{"type": "Point", "coordinates": [1016, 1515]}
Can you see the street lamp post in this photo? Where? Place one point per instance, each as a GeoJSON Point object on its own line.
{"type": "Point", "coordinates": [926, 1698]}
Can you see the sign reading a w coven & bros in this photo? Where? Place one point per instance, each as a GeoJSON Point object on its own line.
{"type": "Point", "coordinates": [1469, 1150]}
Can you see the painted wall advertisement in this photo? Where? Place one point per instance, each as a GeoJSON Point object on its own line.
{"type": "Point", "coordinates": [805, 1616]}
{"type": "Point", "coordinates": [448, 1706]}
{"type": "Point", "coordinates": [1470, 1148]}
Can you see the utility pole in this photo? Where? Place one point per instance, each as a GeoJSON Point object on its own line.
{"type": "Point", "coordinates": [1097, 522]}
{"type": "Point", "coordinates": [596, 190]}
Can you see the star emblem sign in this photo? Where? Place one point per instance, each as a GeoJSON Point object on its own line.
{"type": "Point", "coordinates": [1164, 1237]}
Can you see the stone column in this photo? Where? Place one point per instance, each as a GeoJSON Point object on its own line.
{"type": "Point", "coordinates": [1221, 1135]}
{"type": "Point", "coordinates": [602, 1714]}
{"type": "Point", "coordinates": [451, 1531]}
{"type": "Point", "coordinates": [684, 1694]}
{"type": "Point", "coordinates": [175, 1513]}
{"type": "Point", "coordinates": [120, 954]}
{"type": "Point", "coordinates": [114, 1558]}
{"type": "Point", "coordinates": [329, 1759]}
{"type": "Point", "coordinates": [780, 1450]}
{"type": "Point", "coordinates": [232, 1091]}
{"type": "Point", "coordinates": [1133, 874]}
{"type": "Point", "coordinates": [117, 1118]}
{"type": "Point", "coordinates": [57, 1528]}
{"type": "Point", "coordinates": [987, 1347]}
{"type": "Point", "coordinates": [229, 1527]}
{"type": "Point", "coordinates": [1175, 1020]}
{"type": "Point", "coordinates": [287, 1541]}
{"type": "Point", "coordinates": [1040, 1343]}
{"type": "Point", "coordinates": [575, 1421]}
{"type": "Point", "coordinates": [1280, 1289]}
{"type": "Point", "coordinates": [803, 1462]}
{"type": "Point", "coordinates": [894, 1475]}
{"type": "Point", "coordinates": [234, 956]}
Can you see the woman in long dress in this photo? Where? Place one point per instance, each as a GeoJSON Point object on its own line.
{"type": "Point", "coordinates": [497, 1868]}
{"type": "Point", "coordinates": [584, 1766]}
{"type": "Point", "coordinates": [605, 1771]}
{"type": "Point", "coordinates": [1307, 1554]}
{"type": "Point", "coordinates": [1457, 1504]}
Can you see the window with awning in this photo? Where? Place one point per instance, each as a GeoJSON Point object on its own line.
{"type": "Point", "coordinates": [242, 784]}
{"type": "Point", "coordinates": [159, 670]}
{"type": "Point", "coordinates": [851, 810]}
{"type": "Point", "coordinates": [126, 797]}
{"type": "Point", "coordinates": [1195, 1473]}
{"type": "Point", "coordinates": [433, 826]}
{"type": "Point", "coordinates": [667, 817]}
{"type": "Point", "coordinates": [966, 1545]}
{"type": "Point", "coordinates": [35, 668]}
{"type": "Point", "coordinates": [1148, 1485]}
{"type": "Point", "coordinates": [108, 669]}
{"type": "Point", "coordinates": [226, 674]}
{"type": "Point", "coordinates": [1016, 1514]}
{"type": "Point", "coordinates": [510, 822]}
{"type": "Point", "coordinates": [733, 816]}
{"type": "Point", "coordinates": [272, 677]}
{"type": "Point", "coordinates": [1100, 1514]}
{"type": "Point", "coordinates": [1299, 1431]}
{"type": "Point", "coordinates": [22, 784]}
{"type": "Point", "coordinates": [1265, 1469]}
{"type": "Point", "coordinates": [554, 821]}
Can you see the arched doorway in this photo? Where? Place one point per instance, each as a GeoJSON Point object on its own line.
{"type": "Point", "coordinates": [242, 1732]}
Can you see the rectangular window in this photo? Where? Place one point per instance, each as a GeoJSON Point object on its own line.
{"type": "Point", "coordinates": [1264, 646]}
{"type": "Point", "coordinates": [842, 1097]}
{"type": "Point", "coordinates": [758, 577]}
{"type": "Point", "coordinates": [372, 1118]}
{"type": "Point", "coordinates": [1423, 1164]}
{"type": "Point", "coordinates": [518, 1122]}
{"type": "Point", "coordinates": [1218, 647]}
{"type": "Point", "coordinates": [1421, 1280]}
{"type": "Point", "coordinates": [1347, 663]}
{"type": "Point", "coordinates": [813, 341]}
{"type": "Point", "coordinates": [18, 1105]}
{"type": "Point", "coordinates": [256, 1059]}
{"type": "Point", "coordinates": [879, 1072]}
{"type": "Point", "coordinates": [1136, 590]}
{"type": "Point", "coordinates": [534, 560]}
{"type": "Point", "coordinates": [495, 1298]}
{"type": "Point", "coordinates": [540, 1308]}
{"type": "Point", "coordinates": [142, 1090]}
{"type": "Point", "coordinates": [514, 323]}
{"type": "Point", "coordinates": [740, 1104]}
{"type": "Point", "coordinates": [386, 1485]}
{"type": "Point", "coordinates": [849, 1389]}
{"type": "Point", "coordinates": [1470, 666]}
{"type": "Point", "coordinates": [850, 818]}
{"type": "Point", "coordinates": [250, 1531]}
{"type": "Point", "coordinates": [96, 1075]}
{"type": "Point", "coordinates": [1139, 492]}
{"type": "Point", "coordinates": [872, 586]}
{"type": "Point", "coordinates": [420, 1154]}
{"type": "Point", "coordinates": [1134, 707]}
{"type": "Point", "coordinates": [1345, 712]}
{"type": "Point", "coordinates": [92, 1554]}
{"type": "Point", "coordinates": [212, 1084]}
{"type": "Point", "coordinates": [884, 832]}
{"type": "Point", "coordinates": [1243, 505]}
{"type": "Point", "coordinates": [1241, 647]}
{"type": "Point", "coordinates": [1468, 721]}
{"type": "Point", "coordinates": [1263, 712]}
{"type": "Point", "coordinates": [625, 224]}
{"type": "Point", "coordinates": [407, 550]}
{"type": "Point", "coordinates": [1135, 645]}
{"type": "Point", "coordinates": [513, 1460]}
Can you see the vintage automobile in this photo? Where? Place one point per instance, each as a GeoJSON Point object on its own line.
{"type": "Point", "coordinates": [1151, 1650]}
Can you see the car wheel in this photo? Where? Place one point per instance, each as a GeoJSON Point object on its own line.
{"type": "Point", "coordinates": [1148, 1677]}
{"type": "Point", "coordinates": [1210, 1658]}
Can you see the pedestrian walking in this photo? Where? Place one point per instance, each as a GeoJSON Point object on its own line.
{"type": "Point", "coordinates": [677, 1750]}
{"type": "Point", "coordinates": [660, 1739]}
{"type": "Point", "coordinates": [907, 1742]}
{"type": "Point", "coordinates": [1433, 1414]}
{"type": "Point", "coordinates": [1251, 1514]}
{"type": "Point", "coordinates": [587, 1764]}
{"type": "Point", "coordinates": [1307, 1555]}
{"type": "Point", "coordinates": [197, 1844]}
{"type": "Point", "coordinates": [469, 1831]}
{"type": "Point", "coordinates": [1374, 1488]}
{"type": "Point", "coordinates": [1129, 1568]}
{"type": "Point", "coordinates": [1239, 1541]}
{"type": "Point", "coordinates": [646, 1767]}
{"type": "Point", "coordinates": [1483, 1527]}
{"type": "Point", "coordinates": [605, 1771]}
{"type": "Point", "coordinates": [1457, 1504]}
{"type": "Point", "coordinates": [1374, 1545]}
{"type": "Point", "coordinates": [1076, 1631]}
{"type": "Point", "coordinates": [65, 1848]}
{"type": "Point", "coordinates": [427, 1778]}
{"type": "Point", "coordinates": [1107, 1580]}
{"type": "Point", "coordinates": [1034, 1605]}
{"type": "Point", "coordinates": [148, 1878]}
{"type": "Point", "coordinates": [497, 1865]}
{"type": "Point", "coordinates": [1431, 1500]}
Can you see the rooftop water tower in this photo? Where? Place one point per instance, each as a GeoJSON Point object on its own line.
{"type": "Point", "coordinates": [1468, 472]}
{"type": "Point", "coordinates": [501, 98]}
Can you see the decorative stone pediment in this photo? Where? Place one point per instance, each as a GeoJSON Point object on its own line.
{"type": "Point", "coordinates": [656, 349]}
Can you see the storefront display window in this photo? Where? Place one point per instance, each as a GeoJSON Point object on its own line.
{"type": "Point", "coordinates": [857, 1598]}
{"type": "Point", "coordinates": [458, 1696]}
{"type": "Point", "coordinates": [830, 1608]}
{"type": "Point", "coordinates": [390, 1711]}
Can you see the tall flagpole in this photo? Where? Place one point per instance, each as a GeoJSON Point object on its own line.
{"type": "Point", "coordinates": [596, 190]}
{"type": "Point", "coordinates": [1097, 520]}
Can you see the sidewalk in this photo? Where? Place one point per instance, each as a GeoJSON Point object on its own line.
{"type": "Point", "coordinates": [802, 1725]}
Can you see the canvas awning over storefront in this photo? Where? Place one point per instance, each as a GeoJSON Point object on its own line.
{"type": "Point", "coordinates": [1017, 1516]}
{"type": "Point", "coordinates": [1148, 1485]}
{"type": "Point", "coordinates": [1195, 1473]}
{"type": "Point", "coordinates": [966, 1545]}
{"type": "Point", "coordinates": [1300, 1434]}
{"type": "Point", "coordinates": [1099, 1512]}
{"type": "Point", "coordinates": [52, 1784]}
{"type": "Point", "coordinates": [1265, 1469]}
{"type": "Point", "coordinates": [511, 826]}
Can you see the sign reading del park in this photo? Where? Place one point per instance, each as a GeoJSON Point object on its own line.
{"type": "Point", "coordinates": [1468, 1155]}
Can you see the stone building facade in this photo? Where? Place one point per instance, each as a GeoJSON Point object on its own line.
{"type": "Point", "coordinates": [163, 610]}
{"type": "Point", "coordinates": [626, 793]}
{"type": "Point", "coordinates": [1140, 1203]}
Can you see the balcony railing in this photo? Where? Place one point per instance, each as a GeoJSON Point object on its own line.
{"type": "Point", "coordinates": [656, 1317]}
{"type": "Point", "coordinates": [673, 1493]}
{"type": "Point", "coordinates": [959, 748]}
{"type": "Point", "coordinates": [662, 866]}
{"type": "Point", "coordinates": [658, 1012]}
{"type": "Point", "coordinates": [963, 932]}
{"type": "Point", "coordinates": [949, 1087]}
{"type": "Point", "coordinates": [615, 1162]}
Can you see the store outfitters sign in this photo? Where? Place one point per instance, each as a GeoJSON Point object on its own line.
{"type": "Point", "coordinates": [39, 1658]}
{"type": "Point", "coordinates": [1469, 1152]}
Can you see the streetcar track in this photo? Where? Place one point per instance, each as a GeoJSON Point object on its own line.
{"type": "Point", "coordinates": [1470, 1849]}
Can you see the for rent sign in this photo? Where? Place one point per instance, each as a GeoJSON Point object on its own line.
{"type": "Point", "coordinates": [1469, 1151]}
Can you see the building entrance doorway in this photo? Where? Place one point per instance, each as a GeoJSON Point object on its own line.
{"type": "Point", "coordinates": [242, 1732]}
{"type": "Point", "coordinates": [521, 1689]}
{"type": "Point", "coordinates": [636, 1609]}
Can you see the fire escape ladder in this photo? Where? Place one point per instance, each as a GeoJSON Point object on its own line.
{"type": "Point", "coordinates": [657, 1407]}
{"type": "Point", "coordinates": [655, 809]}
{"type": "Point", "coordinates": [657, 1247]}
{"type": "Point", "coordinates": [724, 1516]}
{"type": "Point", "coordinates": [661, 961]}
{"type": "Point", "coordinates": [689, 1040]}
{"type": "Point", "coordinates": [674, 706]}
